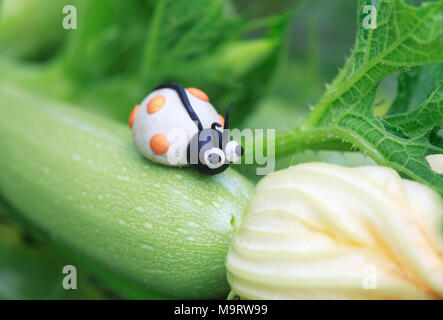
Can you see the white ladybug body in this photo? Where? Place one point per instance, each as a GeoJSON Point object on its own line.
{"type": "Point", "coordinates": [165, 122]}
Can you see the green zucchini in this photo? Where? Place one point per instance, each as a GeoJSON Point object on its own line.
{"type": "Point", "coordinates": [79, 177]}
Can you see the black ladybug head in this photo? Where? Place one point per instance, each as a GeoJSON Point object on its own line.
{"type": "Point", "coordinates": [205, 153]}
{"type": "Point", "coordinates": [206, 150]}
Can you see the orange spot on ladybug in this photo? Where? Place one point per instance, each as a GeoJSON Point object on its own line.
{"type": "Point", "coordinates": [198, 93]}
{"type": "Point", "coordinates": [159, 143]}
{"type": "Point", "coordinates": [221, 120]}
{"type": "Point", "coordinates": [156, 103]}
{"type": "Point", "coordinates": [132, 115]}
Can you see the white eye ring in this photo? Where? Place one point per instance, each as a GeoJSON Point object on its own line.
{"type": "Point", "coordinates": [231, 151]}
{"type": "Point", "coordinates": [212, 151]}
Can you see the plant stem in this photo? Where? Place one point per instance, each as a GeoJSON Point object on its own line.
{"type": "Point", "coordinates": [308, 138]}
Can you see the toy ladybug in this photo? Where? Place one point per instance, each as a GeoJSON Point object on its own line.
{"type": "Point", "coordinates": [178, 127]}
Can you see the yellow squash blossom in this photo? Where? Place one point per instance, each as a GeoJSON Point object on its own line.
{"type": "Point", "coordinates": [321, 231]}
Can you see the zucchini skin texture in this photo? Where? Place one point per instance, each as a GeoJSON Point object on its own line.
{"type": "Point", "coordinates": [79, 177]}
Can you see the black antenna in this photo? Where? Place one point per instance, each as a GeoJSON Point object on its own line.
{"type": "Point", "coordinates": [228, 111]}
{"type": "Point", "coordinates": [184, 98]}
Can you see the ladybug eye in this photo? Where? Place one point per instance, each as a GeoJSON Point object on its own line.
{"type": "Point", "coordinates": [214, 158]}
{"type": "Point", "coordinates": [233, 151]}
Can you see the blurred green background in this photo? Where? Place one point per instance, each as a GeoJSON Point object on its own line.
{"type": "Point", "coordinates": [272, 58]}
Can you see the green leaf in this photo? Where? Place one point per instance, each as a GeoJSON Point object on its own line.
{"type": "Point", "coordinates": [436, 136]}
{"type": "Point", "coordinates": [405, 37]}
{"type": "Point", "coordinates": [123, 49]}
{"type": "Point", "coordinates": [107, 40]}
{"type": "Point", "coordinates": [181, 31]}
{"type": "Point", "coordinates": [414, 86]}
{"type": "Point", "coordinates": [200, 43]}
{"type": "Point", "coordinates": [428, 115]}
{"type": "Point", "coordinates": [262, 60]}
{"type": "Point", "coordinates": [406, 82]}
